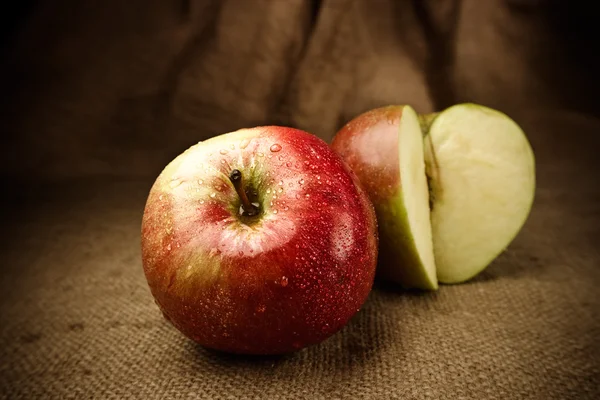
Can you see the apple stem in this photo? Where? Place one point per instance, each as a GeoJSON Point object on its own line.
{"type": "Point", "coordinates": [237, 179]}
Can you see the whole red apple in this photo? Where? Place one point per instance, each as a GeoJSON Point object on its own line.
{"type": "Point", "coordinates": [259, 241]}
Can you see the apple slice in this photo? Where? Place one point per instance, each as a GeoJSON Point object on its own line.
{"type": "Point", "coordinates": [384, 147]}
{"type": "Point", "coordinates": [481, 172]}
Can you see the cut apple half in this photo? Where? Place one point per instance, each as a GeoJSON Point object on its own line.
{"type": "Point", "coordinates": [451, 189]}
{"type": "Point", "coordinates": [413, 200]}
{"type": "Point", "coordinates": [481, 172]}
{"type": "Point", "coordinates": [384, 147]}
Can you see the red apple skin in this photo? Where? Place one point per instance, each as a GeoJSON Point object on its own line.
{"type": "Point", "coordinates": [292, 277]}
{"type": "Point", "coordinates": [369, 145]}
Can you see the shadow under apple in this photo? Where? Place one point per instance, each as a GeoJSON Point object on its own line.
{"type": "Point", "coordinates": [509, 265]}
{"type": "Point", "coordinates": [354, 350]}
{"type": "Point", "coordinates": [346, 347]}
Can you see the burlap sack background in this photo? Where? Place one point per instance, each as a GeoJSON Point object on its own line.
{"type": "Point", "coordinates": [99, 95]}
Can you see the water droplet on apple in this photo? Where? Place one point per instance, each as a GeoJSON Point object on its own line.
{"type": "Point", "coordinates": [241, 253]}
{"type": "Point", "coordinates": [201, 201]}
{"type": "Point", "coordinates": [301, 181]}
{"type": "Point", "coordinates": [169, 247]}
{"type": "Point", "coordinates": [268, 191]}
{"type": "Point", "coordinates": [290, 184]}
{"type": "Point", "coordinates": [288, 164]}
{"type": "Point", "coordinates": [244, 143]}
{"type": "Point", "coordinates": [223, 161]}
{"type": "Point", "coordinates": [284, 281]}
{"type": "Point", "coordinates": [286, 208]}
{"type": "Point", "coordinates": [280, 190]}
{"type": "Point", "coordinates": [200, 181]}
{"type": "Point", "coordinates": [280, 183]}
{"type": "Point", "coordinates": [214, 252]}
{"type": "Point", "coordinates": [275, 148]}
{"type": "Point", "coordinates": [318, 177]}
{"type": "Point", "coordinates": [297, 196]}
{"type": "Point", "coordinates": [261, 308]}
{"type": "Point", "coordinates": [260, 154]}
{"type": "Point", "coordinates": [232, 146]}
{"type": "Point", "coordinates": [223, 151]}
{"type": "Point", "coordinates": [274, 211]}
{"type": "Point", "coordinates": [213, 195]}
{"type": "Point", "coordinates": [307, 195]}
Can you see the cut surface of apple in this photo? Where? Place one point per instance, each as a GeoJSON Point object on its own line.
{"type": "Point", "coordinates": [384, 147]}
{"type": "Point", "coordinates": [481, 172]}
{"type": "Point", "coordinates": [414, 196]}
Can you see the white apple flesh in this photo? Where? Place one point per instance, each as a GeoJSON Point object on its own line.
{"type": "Point", "coordinates": [481, 171]}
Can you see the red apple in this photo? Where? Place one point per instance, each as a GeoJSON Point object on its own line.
{"type": "Point", "coordinates": [384, 147]}
{"type": "Point", "coordinates": [259, 241]}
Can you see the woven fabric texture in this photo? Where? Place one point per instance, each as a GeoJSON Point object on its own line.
{"type": "Point", "coordinates": [101, 95]}
{"type": "Point", "coordinates": [79, 322]}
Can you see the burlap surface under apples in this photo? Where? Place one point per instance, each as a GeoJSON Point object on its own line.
{"type": "Point", "coordinates": [100, 95]}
